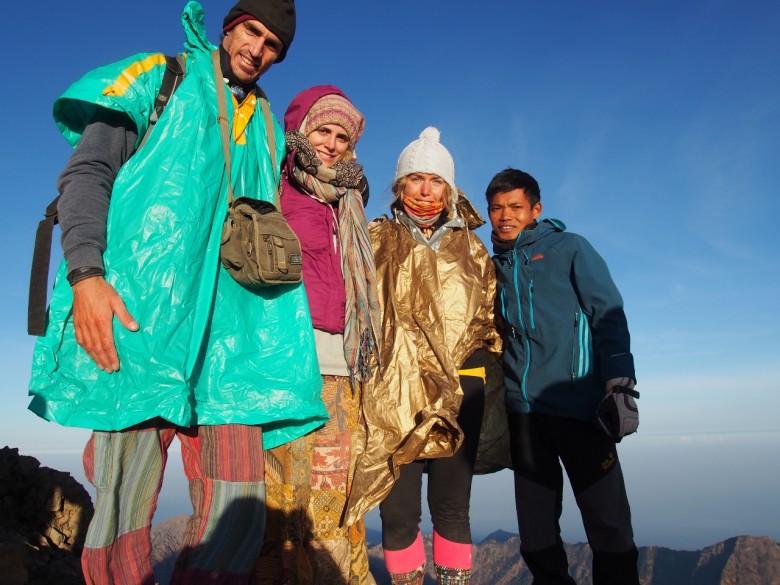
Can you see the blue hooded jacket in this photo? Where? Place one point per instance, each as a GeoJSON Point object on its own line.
{"type": "Point", "coordinates": [565, 332]}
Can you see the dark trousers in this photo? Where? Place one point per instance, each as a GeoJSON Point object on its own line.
{"type": "Point", "coordinates": [540, 444]}
{"type": "Point", "coordinates": [449, 483]}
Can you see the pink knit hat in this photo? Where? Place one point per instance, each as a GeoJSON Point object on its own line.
{"type": "Point", "coordinates": [334, 109]}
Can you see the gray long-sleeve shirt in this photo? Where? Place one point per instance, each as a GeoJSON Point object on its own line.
{"type": "Point", "coordinates": [85, 186]}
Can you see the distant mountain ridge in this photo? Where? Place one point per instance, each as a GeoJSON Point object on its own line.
{"type": "Point", "coordinates": [498, 536]}
{"type": "Point", "coordinates": [742, 560]}
{"type": "Point", "coordinates": [44, 514]}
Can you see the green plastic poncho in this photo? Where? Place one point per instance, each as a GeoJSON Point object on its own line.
{"type": "Point", "coordinates": [209, 351]}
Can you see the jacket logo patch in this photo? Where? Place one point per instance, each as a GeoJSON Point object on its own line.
{"type": "Point", "coordinates": [537, 257]}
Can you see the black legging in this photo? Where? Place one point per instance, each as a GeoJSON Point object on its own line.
{"type": "Point", "coordinates": [449, 481]}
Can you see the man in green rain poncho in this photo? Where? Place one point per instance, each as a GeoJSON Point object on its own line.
{"type": "Point", "coordinates": [148, 338]}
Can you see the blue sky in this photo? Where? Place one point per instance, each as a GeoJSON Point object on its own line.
{"type": "Point", "coordinates": [653, 128]}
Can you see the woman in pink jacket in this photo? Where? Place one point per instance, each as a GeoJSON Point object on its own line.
{"type": "Point", "coordinates": [323, 194]}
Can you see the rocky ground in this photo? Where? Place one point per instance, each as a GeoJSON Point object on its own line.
{"type": "Point", "coordinates": [44, 516]}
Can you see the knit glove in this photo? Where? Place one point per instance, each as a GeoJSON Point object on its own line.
{"type": "Point", "coordinates": [625, 381]}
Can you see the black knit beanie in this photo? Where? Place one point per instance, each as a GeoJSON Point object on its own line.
{"type": "Point", "coordinates": [277, 15]}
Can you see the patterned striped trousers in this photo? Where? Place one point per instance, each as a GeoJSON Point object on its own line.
{"type": "Point", "coordinates": [308, 480]}
{"type": "Point", "coordinates": [224, 465]}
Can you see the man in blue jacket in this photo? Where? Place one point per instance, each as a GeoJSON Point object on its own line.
{"type": "Point", "coordinates": [566, 347]}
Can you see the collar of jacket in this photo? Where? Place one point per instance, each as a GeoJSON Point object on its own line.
{"type": "Point", "coordinates": [529, 236]}
{"type": "Point", "coordinates": [434, 243]}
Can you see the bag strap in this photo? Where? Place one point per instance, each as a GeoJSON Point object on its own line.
{"type": "Point", "coordinates": [224, 130]}
{"type": "Point", "coordinates": [39, 272]}
{"type": "Point", "coordinates": [222, 118]}
{"type": "Point", "coordinates": [624, 390]}
{"type": "Point", "coordinates": [174, 73]}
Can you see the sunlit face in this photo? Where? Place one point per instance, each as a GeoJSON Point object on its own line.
{"type": "Point", "coordinates": [510, 213]}
{"type": "Point", "coordinates": [425, 187]}
{"type": "Point", "coordinates": [252, 49]}
{"type": "Point", "coordinates": [331, 143]}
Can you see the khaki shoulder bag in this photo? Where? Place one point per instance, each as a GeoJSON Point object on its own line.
{"type": "Point", "coordinates": [258, 249]}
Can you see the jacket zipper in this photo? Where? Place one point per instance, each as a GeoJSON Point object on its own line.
{"type": "Point", "coordinates": [531, 320]}
{"type": "Point", "coordinates": [526, 344]}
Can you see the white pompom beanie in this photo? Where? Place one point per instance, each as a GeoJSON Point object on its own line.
{"type": "Point", "coordinates": [427, 155]}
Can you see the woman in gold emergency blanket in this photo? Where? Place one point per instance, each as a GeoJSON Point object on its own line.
{"type": "Point", "coordinates": [423, 410]}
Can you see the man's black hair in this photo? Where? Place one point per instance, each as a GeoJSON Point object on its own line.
{"type": "Point", "coordinates": [510, 179]}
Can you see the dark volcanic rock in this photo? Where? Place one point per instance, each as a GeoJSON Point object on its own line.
{"type": "Point", "coordinates": [44, 516]}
